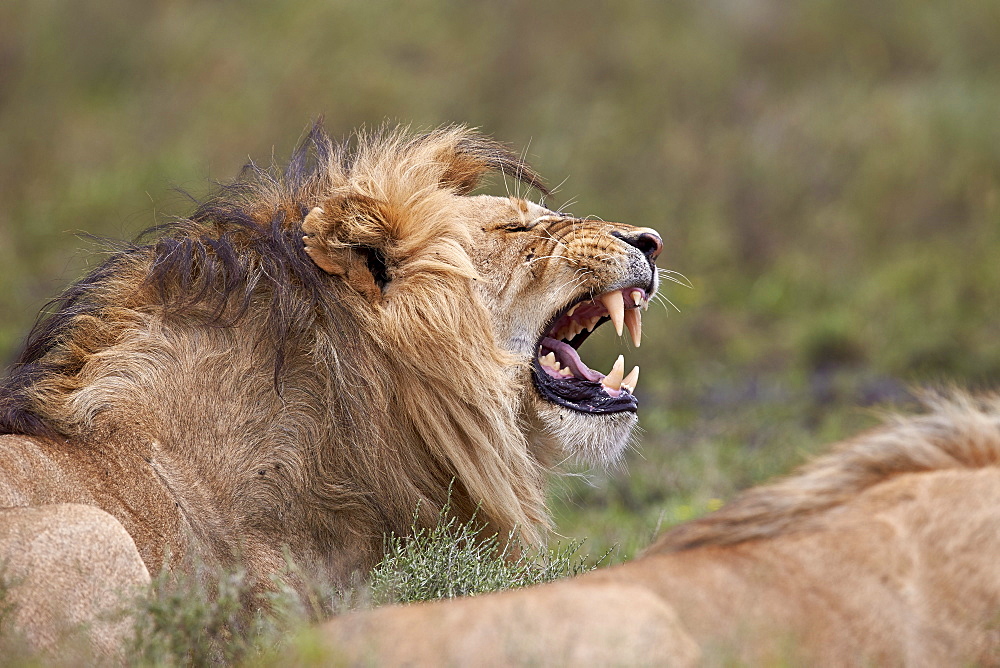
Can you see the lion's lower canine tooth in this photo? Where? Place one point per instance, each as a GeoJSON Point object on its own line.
{"type": "Point", "coordinates": [629, 382]}
{"type": "Point", "coordinates": [633, 320]}
{"type": "Point", "coordinates": [615, 303]}
{"type": "Point", "coordinates": [614, 377]}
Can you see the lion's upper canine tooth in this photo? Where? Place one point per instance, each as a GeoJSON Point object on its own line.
{"type": "Point", "coordinates": [615, 303]}
{"type": "Point", "coordinates": [614, 378]}
{"type": "Point", "coordinates": [633, 320]}
{"type": "Point", "coordinates": [629, 382]}
{"type": "Point", "coordinates": [637, 297]}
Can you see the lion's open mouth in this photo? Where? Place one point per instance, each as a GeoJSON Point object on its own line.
{"type": "Point", "coordinates": [562, 377]}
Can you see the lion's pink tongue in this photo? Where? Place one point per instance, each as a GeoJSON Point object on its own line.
{"type": "Point", "coordinates": [569, 359]}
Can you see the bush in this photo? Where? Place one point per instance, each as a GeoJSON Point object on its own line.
{"type": "Point", "coordinates": [454, 559]}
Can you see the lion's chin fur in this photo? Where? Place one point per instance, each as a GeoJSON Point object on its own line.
{"type": "Point", "coordinates": [593, 440]}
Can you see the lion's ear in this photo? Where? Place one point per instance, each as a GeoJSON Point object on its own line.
{"type": "Point", "coordinates": [473, 156]}
{"type": "Point", "coordinates": [361, 267]}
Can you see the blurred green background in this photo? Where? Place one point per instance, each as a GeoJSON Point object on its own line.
{"type": "Point", "coordinates": [826, 174]}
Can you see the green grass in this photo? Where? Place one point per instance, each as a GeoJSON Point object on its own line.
{"type": "Point", "coordinates": [459, 559]}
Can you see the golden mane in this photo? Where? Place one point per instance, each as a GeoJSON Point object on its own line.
{"type": "Point", "coordinates": [958, 431]}
{"type": "Point", "coordinates": [231, 293]}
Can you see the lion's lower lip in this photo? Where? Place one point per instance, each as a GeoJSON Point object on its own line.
{"type": "Point", "coordinates": [582, 395]}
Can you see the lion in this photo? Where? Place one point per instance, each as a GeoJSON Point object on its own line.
{"type": "Point", "coordinates": [883, 552]}
{"type": "Point", "coordinates": [315, 355]}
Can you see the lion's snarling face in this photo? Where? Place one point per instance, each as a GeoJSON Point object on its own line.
{"type": "Point", "coordinates": [541, 280]}
{"type": "Point", "coordinates": [546, 280]}
{"type": "Point", "coordinates": [550, 280]}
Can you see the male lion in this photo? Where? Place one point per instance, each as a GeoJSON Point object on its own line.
{"type": "Point", "coordinates": [315, 355]}
{"type": "Point", "coordinates": [885, 552]}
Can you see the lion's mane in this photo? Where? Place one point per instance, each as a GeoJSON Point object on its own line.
{"type": "Point", "coordinates": [215, 340]}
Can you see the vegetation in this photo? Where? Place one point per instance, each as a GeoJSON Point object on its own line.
{"type": "Point", "coordinates": [460, 560]}
{"type": "Point", "coordinates": [826, 174]}
{"type": "Point", "coordinates": [202, 619]}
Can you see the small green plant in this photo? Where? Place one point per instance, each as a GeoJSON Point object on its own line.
{"type": "Point", "coordinates": [196, 620]}
{"type": "Point", "coordinates": [455, 559]}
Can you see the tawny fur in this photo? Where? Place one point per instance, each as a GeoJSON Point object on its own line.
{"type": "Point", "coordinates": [314, 356]}
{"type": "Point", "coordinates": [880, 553]}
{"type": "Point", "coordinates": [958, 431]}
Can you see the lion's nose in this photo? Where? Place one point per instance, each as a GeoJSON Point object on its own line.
{"type": "Point", "coordinates": [645, 239]}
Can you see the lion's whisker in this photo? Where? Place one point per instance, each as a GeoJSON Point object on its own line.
{"type": "Point", "coordinates": [675, 277]}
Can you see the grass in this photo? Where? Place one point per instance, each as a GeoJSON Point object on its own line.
{"type": "Point", "coordinates": [457, 559]}
{"type": "Point", "coordinates": [204, 619]}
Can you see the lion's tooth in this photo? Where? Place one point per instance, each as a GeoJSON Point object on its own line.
{"type": "Point", "coordinates": [614, 377]}
{"type": "Point", "coordinates": [629, 382]}
{"type": "Point", "coordinates": [566, 372]}
{"type": "Point", "coordinates": [572, 310]}
{"type": "Point", "coordinates": [548, 360]}
{"type": "Point", "coordinates": [637, 297]}
{"type": "Point", "coordinates": [633, 320]}
{"type": "Point", "coordinates": [615, 303]}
